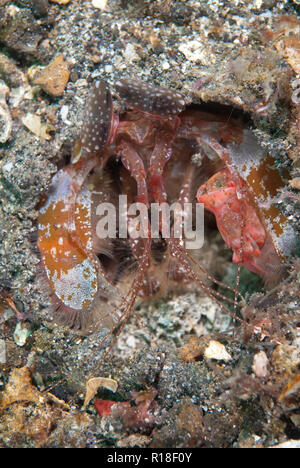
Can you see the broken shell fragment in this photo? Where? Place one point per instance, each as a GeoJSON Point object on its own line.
{"type": "Point", "coordinates": [216, 350]}
{"type": "Point", "coordinates": [34, 124]}
{"type": "Point", "coordinates": [21, 333]}
{"type": "Point", "coordinates": [61, 2]}
{"type": "Point", "coordinates": [260, 364]}
{"type": "Point", "coordinates": [290, 396]}
{"type": "Point", "coordinates": [100, 4]}
{"type": "Point", "coordinates": [94, 384]}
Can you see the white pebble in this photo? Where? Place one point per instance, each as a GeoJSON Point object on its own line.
{"type": "Point", "coordinates": [101, 4]}
{"type": "Point", "coordinates": [216, 350]}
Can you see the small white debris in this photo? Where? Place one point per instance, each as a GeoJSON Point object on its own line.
{"type": "Point", "coordinates": [101, 4]}
{"type": "Point", "coordinates": [296, 93]}
{"type": "Point", "coordinates": [197, 52]}
{"type": "Point", "coordinates": [2, 352]}
{"type": "Point", "coordinates": [64, 115]}
{"type": "Point", "coordinates": [16, 96]}
{"type": "Point", "coordinates": [108, 69]}
{"type": "Point", "coordinates": [5, 117]}
{"type": "Point", "coordinates": [81, 83]}
{"type": "Point", "coordinates": [131, 342]}
{"type": "Point", "coordinates": [165, 65]}
{"type": "Point", "coordinates": [7, 167]}
{"type": "Point", "coordinates": [260, 364]}
{"type": "Point", "coordinates": [258, 4]}
{"type": "Point", "coordinates": [21, 333]}
{"type": "Point", "coordinates": [288, 444]}
{"type": "Point", "coordinates": [216, 350]}
{"type": "Point", "coordinates": [130, 54]}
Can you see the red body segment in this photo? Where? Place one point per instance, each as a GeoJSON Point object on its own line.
{"type": "Point", "coordinates": [236, 218]}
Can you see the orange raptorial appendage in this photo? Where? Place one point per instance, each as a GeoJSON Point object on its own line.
{"type": "Point", "coordinates": [66, 238]}
{"type": "Point", "coordinates": [65, 243]}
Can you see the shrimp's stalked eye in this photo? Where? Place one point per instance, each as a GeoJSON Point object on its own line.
{"type": "Point", "coordinates": [98, 120]}
{"type": "Point", "coordinates": [149, 98]}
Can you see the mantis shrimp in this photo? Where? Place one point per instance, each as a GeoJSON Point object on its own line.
{"type": "Point", "coordinates": [148, 154]}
